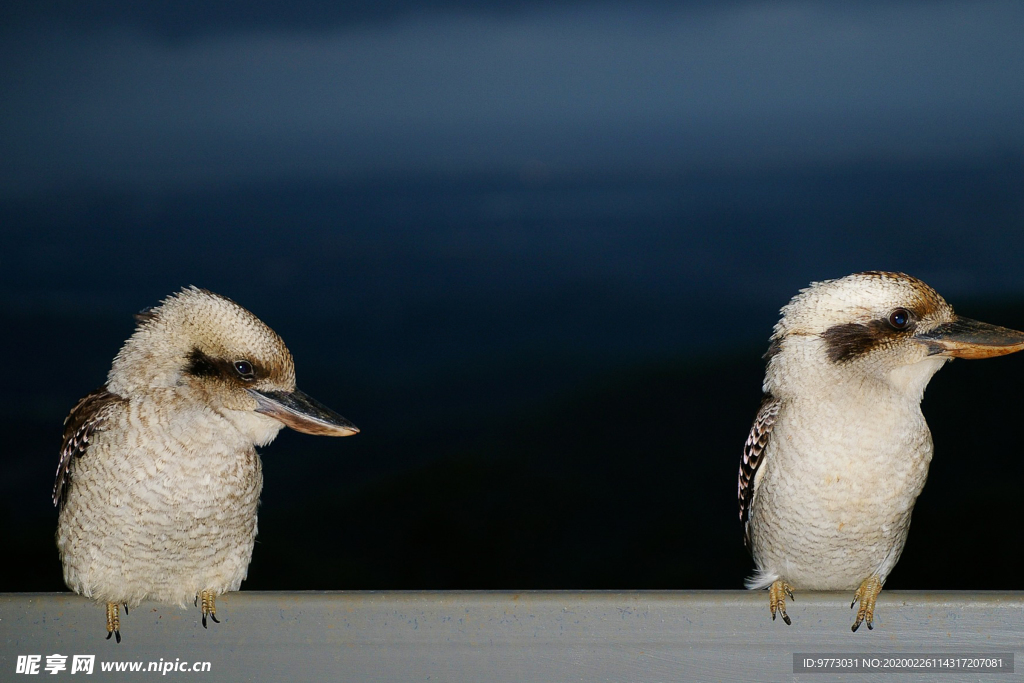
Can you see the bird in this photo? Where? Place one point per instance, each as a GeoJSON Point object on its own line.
{"type": "Point", "coordinates": [159, 479]}
{"type": "Point", "coordinates": [840, 450]}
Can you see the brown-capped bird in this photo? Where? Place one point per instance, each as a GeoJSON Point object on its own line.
{"type": "Point", "coordinates": [840, 450]}
{"type": "Point", "coordinates": [159, 478]}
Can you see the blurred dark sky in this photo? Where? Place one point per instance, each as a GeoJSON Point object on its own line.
{"type": "Point", "coordinates": [157, 95]}
{"type": "Point", "coordinates": [493, 233]}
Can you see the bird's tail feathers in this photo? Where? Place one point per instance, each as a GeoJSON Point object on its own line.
{"type": "Point", "coordinates": [761, 579]}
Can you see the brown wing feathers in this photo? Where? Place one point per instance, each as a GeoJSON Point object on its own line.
{"type": "Point", "coordinates": [85, 419]}
{"type": "Point", "coordinates": [753, 451]}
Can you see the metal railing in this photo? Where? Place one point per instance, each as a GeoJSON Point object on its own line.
{"type": "Point", "coordinates": [511, 636]}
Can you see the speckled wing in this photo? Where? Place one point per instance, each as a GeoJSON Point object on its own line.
{"type": "Point", "coordinates": [753, 452]}
{"type": "Point", "coordinates": [85, 419]}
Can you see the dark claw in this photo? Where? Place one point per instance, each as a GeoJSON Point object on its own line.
{"type": "Point", "coordinates": [204, 621]}
{"type": "Point", "coordinates": [855, 627]}
{"type": "Point", "coordinates": [871, 627]}
{"type": "Point", "coordinates": [125, 608]}
{"type": "Point", "coordinates": [109, 633]}
{"type": "Point", "coordinates": [196, 602]}
{"type": "Point", "coordinates": [785, 618]}
{"type": "Point", "coordinates": [215, 619]}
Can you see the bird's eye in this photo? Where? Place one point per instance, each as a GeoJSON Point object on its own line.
{"type": "Point", "coordinates": [899, 318]}
{"type": "Point", "coordinates": [244, 368]}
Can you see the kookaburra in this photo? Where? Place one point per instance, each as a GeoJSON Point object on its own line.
{"type": "Point", "coordinates": [840, 450]}
{"type": "Point", "coordinates": [159, 478]}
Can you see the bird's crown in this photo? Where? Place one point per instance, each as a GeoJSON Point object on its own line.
{"type": "Point", "coordinates": [861, 298]}
{"type": "Point", "coordinates": [198, 333]}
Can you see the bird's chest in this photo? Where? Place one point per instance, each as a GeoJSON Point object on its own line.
{"type": "Point", "coordinates": [211, 475]}
{"type": "Point", "coordinates": [173, 469]}
{"type": "Point", "coordinates": [856, 468]}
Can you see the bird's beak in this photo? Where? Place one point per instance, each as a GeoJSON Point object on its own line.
{"type": "Point", "coordinates": [302, 413]}
{"type": "Point", "coordinates": [966, 338]}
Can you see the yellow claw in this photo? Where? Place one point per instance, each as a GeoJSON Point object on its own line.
{"type": "Point", "coordinates": [777, 599]}
{"type": "Point", "coordinates": [114, 621]}
{"type": "Point", "coordinates": [866, 595]}
{"type": "Point", "coordinates": [209, 600]}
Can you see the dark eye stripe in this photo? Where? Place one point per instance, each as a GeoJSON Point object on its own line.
{"type": "Point", "coordinates": [850, 340]}
{"type": "Point", "coordinates": [201, 365]}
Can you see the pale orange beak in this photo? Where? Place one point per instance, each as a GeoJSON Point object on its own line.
{"type": "Point", "coordinates": [966, 338]}
{"type": "Point", "coordinates": [302, 413]}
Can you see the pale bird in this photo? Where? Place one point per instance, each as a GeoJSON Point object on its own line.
{"type": "Point", "coordinates": [840, 449]}
{"type": "Point", "coordinates": [159, 478]}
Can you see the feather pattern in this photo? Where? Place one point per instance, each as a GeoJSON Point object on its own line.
{"type": "Point", "coordinates": [87, 417]}
{"type": "Point", "coordinates": [753, 452]}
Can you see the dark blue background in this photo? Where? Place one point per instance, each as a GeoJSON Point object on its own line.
{"type": "Point", "coordinates": [534, 250]}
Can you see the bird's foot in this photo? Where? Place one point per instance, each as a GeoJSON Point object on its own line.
{"type": "Point", "coordinates": [866, 596]}
{"type": "Point", "coordinates": [114, 621]}
{"type": "Point", "coordinates": [209, 600]}
{"type": "Point", "coordinates": [777, 599]}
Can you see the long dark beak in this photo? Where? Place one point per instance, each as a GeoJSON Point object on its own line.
{"type": "Point", "coordinates": [302, 413]}
{"type": "Point", "coordinates": [966, 338]}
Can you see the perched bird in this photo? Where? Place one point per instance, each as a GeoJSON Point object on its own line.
{"type": "Point", "coordinates": [840, 450]}
{"type": "Point", "coordinates": [159, 479]}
